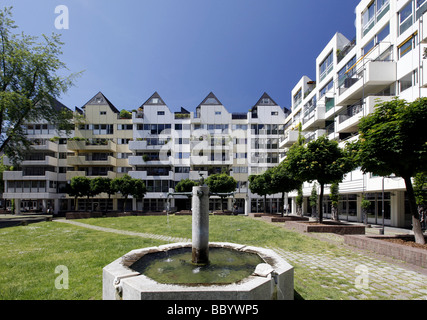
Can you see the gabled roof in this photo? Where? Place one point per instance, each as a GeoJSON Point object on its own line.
{"type": "Point", "coordinates": [211, 99]}
{"type": "Point", "coordinates": [266, 100]}
{"type": "Point", "coordinates": [152, 100]}
{"type": "Point", "coordinates": [98, 99]}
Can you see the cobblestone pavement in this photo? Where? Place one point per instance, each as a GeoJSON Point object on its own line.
{"type": "Point", "coordinates": [357, 275]}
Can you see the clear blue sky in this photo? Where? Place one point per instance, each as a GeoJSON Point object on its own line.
{"type": "Point", "coordinates": [183, 49]}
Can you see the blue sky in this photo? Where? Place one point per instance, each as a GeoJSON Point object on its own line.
{"type": "Point", "coordinates": [183, 49]}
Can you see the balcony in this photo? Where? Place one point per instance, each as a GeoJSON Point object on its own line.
{"type": "Point", "coordinates": [19, 175]}
{"type": "Point", "coordinates": [314, 135]}
{"type": "Point", "coordinates": [48, 146]}
{"type": "Point", "coordinates": [370, 79]}
{"type": "Point", "coordinates": [349, 122]}
{"type": "Point", "coordinates": [84, 161]}
{"type": "Point", "coordinates": [424, 72]}
{"type": "Point", "coordinates": [48, 161]}
{"type": "Point", "coordinates": [104, 145]}
{"type": "Point", "coordinates": [316, 118]}
{"type": "Point", "coordinates": [138, 161]}
{"type": "Point", "coordinates": [71, 174]}
{"type": "Point", "coordinates": [290, 137]}
{"type": "Point", "coordinates": [423, 36]}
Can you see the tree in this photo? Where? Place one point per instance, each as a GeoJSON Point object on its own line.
{"type": "Point", "coordinates": [313, 200]}
{"type": "Point", "coordinates": [299, 200]}
{"type": "Point", "coordinates": [185, 185]}
{"type": "Point", "coordinates": [259, 184]}
{"type": "Point", "coordinates": [334, 195]}
{"type": "Point", "coordinates": [282, 182]}
{"type": "Point", "coordinates": [126, 185]}
{"type": "Point", "coordinates": [392, 140]}
{"type": "Point", "coordinates": [320, 160]}
{"type": "Point", "coordinates": [420, 190]}
{"type": "Point", "coordinates": [30, 85]}
{"type": "Point", "coordinates": [221, 183]}
{"type": "Point", "coordinates": [79, 187]}
{"type": "Point", "coordinates": [102, 185]}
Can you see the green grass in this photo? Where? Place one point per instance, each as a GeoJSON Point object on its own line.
{"type": "Point", "coordinates": [30, 254]}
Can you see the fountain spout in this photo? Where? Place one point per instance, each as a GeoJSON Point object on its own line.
{"type": "Point", "coordinates": [200, 225]}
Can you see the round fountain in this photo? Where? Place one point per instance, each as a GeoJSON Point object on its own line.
{"type": "Point", "coordinates": [200, 270]}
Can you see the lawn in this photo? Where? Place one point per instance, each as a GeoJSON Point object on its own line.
{"type": "Point", "coordinates": [30, 254]}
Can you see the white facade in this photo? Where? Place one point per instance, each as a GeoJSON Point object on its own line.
{"type": "Point", "coordinates": [383, 60]}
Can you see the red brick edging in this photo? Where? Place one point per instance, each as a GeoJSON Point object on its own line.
{"type": "Point", "coordinates": [402, 252]}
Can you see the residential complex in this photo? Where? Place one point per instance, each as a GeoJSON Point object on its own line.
{"type": "Point", "coordinates": [385, 59]}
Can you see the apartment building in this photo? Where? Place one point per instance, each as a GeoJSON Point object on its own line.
{"type": "Point", "coordinates": [38, 183]}
{"type": "Point", "coordinates": [170, 146]}
{"type": "Point", "coordinates": [154, 144]}
{"type": "Point", "coordinates": [384, 59]}
{"type": "Point", "coordinates": [99, 148]}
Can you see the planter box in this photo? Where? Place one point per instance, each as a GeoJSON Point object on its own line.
{"type": "Point", "coordinates": [222, 213]}
{"type": "Point", "coordinates": [183, 213]}
{"type": "Point", "coordinates": [278, 218]}
{"type": "Point", "coordinates": [325, 227]}
{"type": "Point", "coordinates": [402, 252]}
{"type": "Point", "coordinates": [77, 215]}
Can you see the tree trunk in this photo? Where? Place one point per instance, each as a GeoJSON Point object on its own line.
{"type": "Point", "coordinates": [416, 225]}
{"type": "Point", "coordinates": [320, 214]}
{"type": "Point", "coordinates": [283, 201]}
{"type": "Point", "coordinates": [265, 202]}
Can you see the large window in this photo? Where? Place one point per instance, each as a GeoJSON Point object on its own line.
{"type": "Point", "coordinates": [326, 66]}
{"type": "Point", "coordinates": [368, 18]}
{"type": "Point", "coordinates": [407, 45]}
{"type": "Point", "coordinates": [405, 18]}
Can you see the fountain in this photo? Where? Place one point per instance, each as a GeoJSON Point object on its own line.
{"type": "Point", "coordinates": [200, 270]}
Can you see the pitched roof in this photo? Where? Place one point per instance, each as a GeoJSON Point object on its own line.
{"type": "Point", "coordinates": [151, 100]}
{"type": "Point", "coordinates": [266, 100]}
{"type": "Point", "coordinates": [98, 99]}
{"type": "Point", "coordinates": [211, 99]}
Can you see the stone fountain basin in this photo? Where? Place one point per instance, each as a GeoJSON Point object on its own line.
{"type": "Point", "coordinates": [121, 282]}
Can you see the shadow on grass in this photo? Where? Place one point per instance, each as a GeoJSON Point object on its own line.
{"type": "Point", "coordinates": [297, 296]}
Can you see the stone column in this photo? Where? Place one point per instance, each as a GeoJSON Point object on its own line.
{"type": "Point", "coordinates": [200, 227]}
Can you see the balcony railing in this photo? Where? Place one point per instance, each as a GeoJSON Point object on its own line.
{"type": "Point", "coordinates": [351, 112]}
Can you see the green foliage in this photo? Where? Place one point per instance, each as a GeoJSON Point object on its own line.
{"type": "Point", "coordinates": [334, 194]}
{"type": "Point", "coordinates": [124, 114]}
{"type": "Point", "coordinates": [300, 197]}
{"type": "Point", "coordinates": [126, 185]}
{"type": "Point", "coordinates": [259, 184]}
{"type": "Point", "coordinates": [29, 85]}
{"type": "Point", "coordinates": [185, 185]}
{"type": "Point", "coordinates": [420, 188]}
{"type": "Point", "coordinates": [321, 160]}
{"type": "Point", "coordinates": [365, 204]}
{"type": "Point", "coordinates": [313, 196]}
{"type": "Point", "coordinates": [221, 183]}
{"type": "Point", "coordinates": [101, 185]}
{"type": "Point", "coordinates": [393, 139]}
{"type": "Point", "coordinates": [281, 180]}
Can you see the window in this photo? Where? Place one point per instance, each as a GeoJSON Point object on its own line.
{"type": "Point", "coordinates": [326, 88]}
{"type": "Point", "coordinates": [160, 113]}
{"type": "Point", "coordinates": [217, 113]}
{"type": "Point", "coordinates": [407, 45]}
{"type": "Point", "coordinates": [368, 18]}
{"type": "Point", "coordinates": [102, 113]}
{"type": "Point", "coordinates": [405, 18]}
{"type": "Point", "coordinates": [298, 98]}
{"type": "Point", "coordinates": [326, 66]}
{"type": "Point", "coordinates": [383, 33]}
{"type": "Point", "coordinates": [124, 127]}
{"type": "Point", "coordinates": [368, 46]}
{"type": "Point", "coordinates": [406, 82]}
{"type": "Point", "coordinates": [274, 113]}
